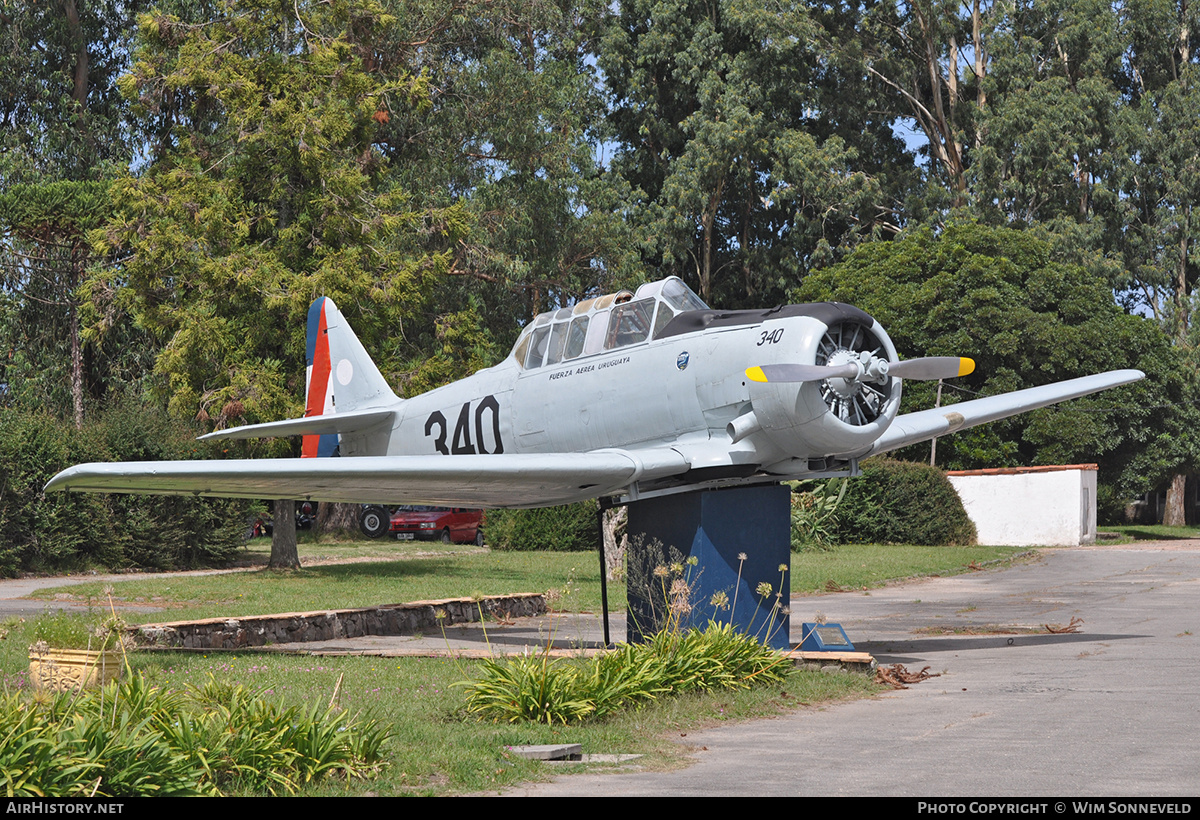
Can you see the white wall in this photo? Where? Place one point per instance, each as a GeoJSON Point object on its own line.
{"type": "Point", "coordinates": [1052, 507]}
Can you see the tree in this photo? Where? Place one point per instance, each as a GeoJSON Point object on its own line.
{"type": "Point", "coordinates": [63, 129]}
{"type": "Point", "coordinates": [1047, 132]}
{"type": "Point", "coordinates": [1001, 297]}
{"type": "Point", "coordinates": [720, 116]}
{"type": "Point", "coordinates": [265, 189]}
{"type": "Point", "coordinates": [51, 221]}
{"type": "Point", "coordinates": [932, 55]}
{"type": "Point", "coordinates": [1158, 176]}
{"type": "Point", "coordinates": [506, 153]}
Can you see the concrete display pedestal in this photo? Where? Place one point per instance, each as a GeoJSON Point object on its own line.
{"type": "Point", "coordinates": [715, 527]}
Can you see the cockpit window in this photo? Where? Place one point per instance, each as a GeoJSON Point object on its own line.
{"type": "Point", "coordinates": [576, 337]}
{"type": "Point", "coordinates": [558, 340]}
{"type": "Point", "coordinates": [680, 296]}
{"type": "Point", "coordinates": [537, 348]}
{"type": "Point", "coordinates": [606, 322]}
{"type": "Point", "coordinates": [629, 324]}
{"type": "Point", "coordinates": [665, 314]}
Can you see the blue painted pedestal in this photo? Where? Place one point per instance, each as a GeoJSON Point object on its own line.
{"type": "Point", "coordinates": [716, 528]}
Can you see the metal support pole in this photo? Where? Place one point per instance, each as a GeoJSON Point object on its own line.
{"type": "Point", "coordinates": [605, 504]}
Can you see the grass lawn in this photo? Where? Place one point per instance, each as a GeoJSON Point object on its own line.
{"type": "Point", "coordinates": [1129, 533]}
{"type": "Point", "coordinates": [422, 571]}
{"type": "Point", "coordinates": [340, 586]}
{"type": "Point", "coordinates": [862, 566]}
{"type": "Point", "coordinates": [437, 748]}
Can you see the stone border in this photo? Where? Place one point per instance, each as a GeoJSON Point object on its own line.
{"type": "Point", "coordinates": [292, 627]}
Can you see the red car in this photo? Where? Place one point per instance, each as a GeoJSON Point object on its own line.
{"type": "Point", "coordinates": [416, 522]}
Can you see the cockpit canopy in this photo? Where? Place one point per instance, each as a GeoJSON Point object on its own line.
{"type": "Point", "coordinates": [604, 323]}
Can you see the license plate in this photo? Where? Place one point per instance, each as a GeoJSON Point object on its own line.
{"type": "Point", "coordinates": [404, 536]}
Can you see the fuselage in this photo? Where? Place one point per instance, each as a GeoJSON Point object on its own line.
{"type": "Point", "coordinates": [656, 369]}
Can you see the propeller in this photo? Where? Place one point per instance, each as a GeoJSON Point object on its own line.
{"type": "Point", "coordinates": [865, 367]}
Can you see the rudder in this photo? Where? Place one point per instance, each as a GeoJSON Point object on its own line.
{"type": "Point", "coordinates": [339, 374]}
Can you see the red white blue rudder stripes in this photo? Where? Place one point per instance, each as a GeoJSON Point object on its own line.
{"type": "Point", "coordinates": [318, 393]}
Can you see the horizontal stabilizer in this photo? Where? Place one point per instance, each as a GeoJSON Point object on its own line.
{"type": "Point", "coordinates": [350, 422]}
{"type": "Point", "coordinates": [939, 421]}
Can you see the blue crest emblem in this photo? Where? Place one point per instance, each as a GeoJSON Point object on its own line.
{"type": "Point", "coordinates": [682, 360]}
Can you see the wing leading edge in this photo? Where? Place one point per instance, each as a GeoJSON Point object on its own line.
{"type": "Point", "coordinates": [940, 421]}
{"type": "Point", "coordinates": [504, 480]}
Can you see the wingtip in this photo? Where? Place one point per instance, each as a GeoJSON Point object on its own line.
{"type": "Point", "coordinates": [60, 482]}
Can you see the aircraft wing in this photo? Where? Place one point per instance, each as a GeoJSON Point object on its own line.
{"type": "Point", "coordinates": [501, 480]}
{"type": "Point", "coordinates": [923, 425]}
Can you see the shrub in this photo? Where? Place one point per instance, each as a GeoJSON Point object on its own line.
{"type": "Point", "coordinates": [569, 528]}
{"type": "Point", "coordinates": [901, 502]}
{"type": "Point", "coordinates": [66, 531]}
{"type": "Point", "coordinates": [814, 511]}
{"type": "Point", "coordinates": [133, 739]}
{"type": "Point", "coordinates": [543, 689]}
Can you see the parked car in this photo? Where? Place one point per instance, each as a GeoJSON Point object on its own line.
{"type": "Point", "coordinates": [410, 522]}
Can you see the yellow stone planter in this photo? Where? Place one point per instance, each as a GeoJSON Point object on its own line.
{"type": "Point", "coordinates": [65, 670]}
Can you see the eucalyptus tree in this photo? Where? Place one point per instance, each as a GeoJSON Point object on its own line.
{"type": "Point", "coordinates": [746, 158]}
{"type": "Point", "coordinates": [1158, 230]}
{"type": "Point", "coordinates": [507, 149]}
{"type": "Point", "coordinates": [1048, 130]}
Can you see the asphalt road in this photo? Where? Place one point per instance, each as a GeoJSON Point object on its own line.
{"type": "Point", "coordinates": [1113, 710]}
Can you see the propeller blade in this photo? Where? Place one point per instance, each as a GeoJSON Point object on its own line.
{"type": "Point", "coordinates": [802, 372]}
{"type": "Point", "coordinates": [932, 367]}
{"type": "Point", "coordinates": [924, 369]}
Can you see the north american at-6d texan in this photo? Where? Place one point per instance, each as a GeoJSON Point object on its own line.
{"type": "Point", "coordinates": [629, 395]}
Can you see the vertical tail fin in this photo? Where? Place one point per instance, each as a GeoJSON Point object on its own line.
{"type": "Point", "coordinates": [340, 375]}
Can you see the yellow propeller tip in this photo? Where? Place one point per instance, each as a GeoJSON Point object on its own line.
{"type": "Point", "coordinates": [756, 374]}
{"type": "Point", "coordinates": [965, 366]}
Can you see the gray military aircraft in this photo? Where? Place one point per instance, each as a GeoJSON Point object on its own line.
{"type": "Point", "coordinates": [629, 395]}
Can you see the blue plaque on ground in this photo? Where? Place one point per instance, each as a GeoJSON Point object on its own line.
{"type": "Point", "coordinates": [825, 638]}
{"type": "Point", "coordinates": [719, 555]}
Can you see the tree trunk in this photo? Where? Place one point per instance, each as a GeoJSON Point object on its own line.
{"type": "Point", "coordinates": [78, 255]}
{"type": "Point", "coordinates": [337, 518]}
{"type": "Point", "coordinates": [283, 540]}
{"type": "Point", "coordinates": [614, 548]}
{"type": "Point", "coordinates": [1174, 514]}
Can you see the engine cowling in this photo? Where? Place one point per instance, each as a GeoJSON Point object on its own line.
{"type": "Point", "coordinates": [833, 416]}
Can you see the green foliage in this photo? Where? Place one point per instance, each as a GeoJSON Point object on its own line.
{"type": "Point", "coordinates": [1028, 317]}
{"type": "Point", "coordinates": [900, 502]}
{"type": "Point", "coordinates": [68, 630]}
{"type": "Point", "coordinates": [542, 689]}
{"type": "Point", "coordinates": [265, 190]}
{"type": "Point", "coordinates": [814, 507]}
{"type": "Point", "coordinates": [135, 739]}
{"type": "Point", "coordinates": [570, 527]}
{"type": "Point", "coordinates": [76, 530]}
{"type": "Point", "coordinates": [739, 186]}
